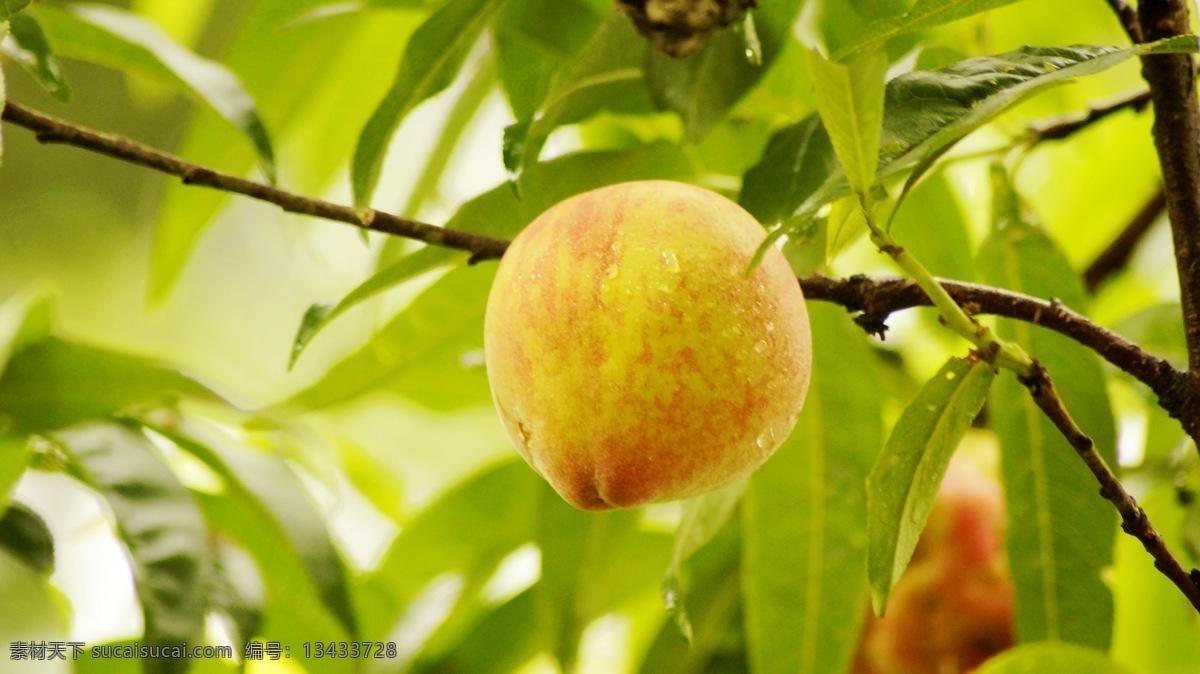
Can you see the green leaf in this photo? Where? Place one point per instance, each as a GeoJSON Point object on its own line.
{"type": "Point", "coordinates": [237, 588]}
{"type": "Point", "coordinates": [797, 160]}
{"type": "Point", "coordinates": [3, 90]}
{"type": "Point", "coordinates": [1060, 532]}
{"type": "Point", "coordinates": [264, 487]}
{"type": "Point", "coordinates": [619, 559]}
{"type": "Point", "coordinates": [850, 100]}
{"type": "Point", "coordinates": [804, 554]}
{"type": "Point", "coordinates": [431, 61]}
{"type": "Point", "coordinates": [53, 383]}
{"type": "Point", "coordinates": [14, 458]}
{"type": "Point", "coordinates": [534, 38]}
{"type": "Point", "coordinates": [10, 7]}
{"type": "Point", "coordinates": [438, 331]}
{"type": "Point", "coordinates": [118, 39]}
{"type": "Point", "coordinates": [703, 518]}
{"type": "Point", "coordinates": [499, 642]}
{"type": "Point", "coordinates": [38, 615]}
{"type": "Point", "coordinates": [1159, 330]}
{"type": "Point", "coordinates": [607, 75]}
{"type": "Point", "coordinates": [703, 87]}
{"type": "Point", "coordinates": [406, 268]}
{"type": "Point", "coordinates": [905, 479]}
{"type": "Point", "coordinates": [924, 112]}
{"type": "Point", "coordinates": [469, 528]}
{"type": "Point", "coordinates": [25, 319]}
{"type": "Point", "coordinates": [846, 223]}
{"type": "Point", "coordinates": [932, 226]}
{"type": "Point", "coordinates": [294, 607]}
{"type": "Point", "coordinates": [25, 536]}
{"type": "Point", "coordinates": [28, 46]}
{"type": "Point", "coordinates": [159, 523]}
{"type": "Point", "coordinates": [714, 604]}
{"type": "Point", "coordinates": [924, 14]}
{"type": "Point", "coordinates": [1060, 658]}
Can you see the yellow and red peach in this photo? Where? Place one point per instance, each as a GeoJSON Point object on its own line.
{"type": "Point", "coordinates": [631, 358]}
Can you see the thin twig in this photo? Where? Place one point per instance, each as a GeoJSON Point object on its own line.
{"type": "Point", "coordinates": [1133, 519]}
{"type": "Point", "coordinates": [52, 130]}
{"type": "Point", "coordinates": [1114, 258]}
{"type": "Point", "coordinates": [1129, 19]}
{"type": "Point", "coordinates": [1059, 129]}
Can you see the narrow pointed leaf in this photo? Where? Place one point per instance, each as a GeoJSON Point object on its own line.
{"type": "Point", "coordinates": [534, 40]}
{"type": "Point", "coordinates": [905, 479]}
{"type": "Point", "coordinates": [797, 160]}
{"type": "Point", "coordinates": [470, 526]}
{"type": "Point", "coordinates": [14, 458]}
{"type": "Point", "coordinates": [804, 514]}
{"type": "Point", "coordinates": [703, 87]}
{"type": "Point", "coordinates": [266, 489]}
{"type": "Point", "coordinates": [3, 90]}
{"type": "Point", "coordinates": [28, 46]}
{"type": "Point", "coordinates": [607, 75]}
{"type": "Point", "coordinates": [431, 61]}
{"type": "Point", "coordinates": [713, 601]}
{"type": "Point", "coordinates": [10, 7]}
{"type": "Point", "coordinates": [703, 517]}
{"type": "Point", "coordinates": [25, 537]}
{"type": "Point", "coordinates": [441, 325]}
{"type": "Point", "coordinates": [1060, 658]}
{"type": "Point", "coordinates": [121, 40]}
{"type": "Point", "coordinates": [620, 560]}
{"type": "Point", "coordinates": [924, 14]}
{"type": "Point", "coordinates": [932, 225]}
{"type": "Point", "coordinates": [319, 315]}
{"type": "Point", "coordinates": [1060, 532]}
{"type": "Point", "coordinates": [54, 383]}
{"type": "Point", "coordinates": [159, 523]}
{"type": "Point", "coordinates": [850, 100]}
{"type": "Point", "coordinates": [924, 113]}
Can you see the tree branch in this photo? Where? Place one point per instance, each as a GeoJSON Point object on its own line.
{"type": "Point", "coordinates": [1133, 519]}
{"type": "Point", "coordinates": [53, 130]}
{"type": "Point", "coordinates": [1059, 129]}
{"type": "Point", "coordinates": [878, 298]}
{"type": "Point", "coordinates": [1172, 80]}
{"type": "Point", "coordinates": [1114, 258]}
{"type": "Point", "coordinates": [1129, 20]}
{"type": "Point", "coordinates": [874, 298]}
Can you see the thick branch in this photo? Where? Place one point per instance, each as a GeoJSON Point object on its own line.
{"type": "Point", "coordinates": [52, 130]}
{"type": "Point", "coordinates": [1172, 81]}
{"type": "Point", "coordinates": [1114, 258]}
{"type": "Point", "coordinates": [1133, 519]}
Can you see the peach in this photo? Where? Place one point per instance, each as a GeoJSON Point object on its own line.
{"type": "Point", "coordinates": [952, 609]}
{"type": "Point", "coordinates": [630, 356]}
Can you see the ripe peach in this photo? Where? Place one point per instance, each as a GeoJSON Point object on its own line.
{"type": "Point", "coordinates": [631, 358]}
{"type": "Point", "coordinates": [953, 607]}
